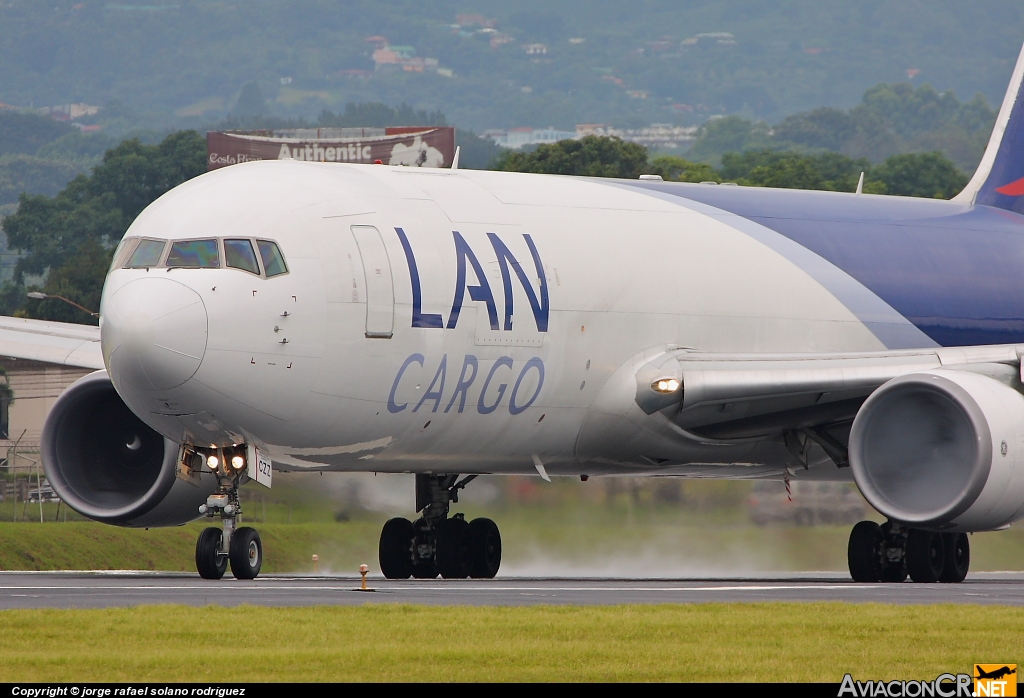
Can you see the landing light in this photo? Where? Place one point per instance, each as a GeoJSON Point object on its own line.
{"type": "Point", "coordinates": [665, 385]}
{"type": "Point", "coordinates": [237, 462]}
{"type": "Point", "coordinates": [213, 462]}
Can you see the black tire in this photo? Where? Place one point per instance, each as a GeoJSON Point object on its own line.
{"type": "Point", "coordinates": [246, 553]}
{"type": "Point", "coordinates": [926, 556]}
{"type": "Point", "coordinates": [891, 572]}
{"type": "Point", "coordinates": [452, 554]}
{"type": "Point", "coordinates": [395, 550]}
{"type": "Point", "coordinates": [958, 557]}
{"type": "Point", "coordinates": [423, 567]}
{"type": "Point", "coordinates": [862, 552]}
{"type": "Point", "coordinates": [894, 572]}
{"type": "Point", "coordinates": [209, 562]}
{"type": "Point", "coordinates": [484, 549]}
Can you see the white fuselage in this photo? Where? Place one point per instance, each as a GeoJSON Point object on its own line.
{"type": "Point", "coordinates": [324, 368]}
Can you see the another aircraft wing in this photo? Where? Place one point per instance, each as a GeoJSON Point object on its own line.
{"type": "Point", "coordinates": [61, 343]}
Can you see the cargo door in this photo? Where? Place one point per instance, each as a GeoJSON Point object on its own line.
{"type": "Point", "coordinates": [380, 292]}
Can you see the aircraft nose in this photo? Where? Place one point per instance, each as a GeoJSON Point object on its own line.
{"type": "Point", "coordinates": [154, 333]}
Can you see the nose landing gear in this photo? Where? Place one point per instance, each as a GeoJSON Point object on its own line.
{"type": "Point", "coordinates": [891, 552]}
{"type": "Point", "coordinates": [435, 544]}
{"type": "Point", "coordinates": [215, 548]}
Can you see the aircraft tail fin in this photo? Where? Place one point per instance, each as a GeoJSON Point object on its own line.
{"type": "Point", "coordinates": [999, 180]}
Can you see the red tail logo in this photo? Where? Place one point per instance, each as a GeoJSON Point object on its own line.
{"type": "Point", "coordinates": [1013, 188]}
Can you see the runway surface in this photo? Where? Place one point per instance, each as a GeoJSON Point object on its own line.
{"type": "Point", "coordinates": [105, 589]}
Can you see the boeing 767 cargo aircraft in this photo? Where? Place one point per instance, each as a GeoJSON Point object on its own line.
{"type": "Point", "coordinates": [303, 316]}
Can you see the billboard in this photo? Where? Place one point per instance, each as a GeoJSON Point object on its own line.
{"type": "Point", "coordinates": [413, 146]}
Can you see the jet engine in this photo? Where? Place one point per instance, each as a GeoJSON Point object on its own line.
{"type": "Point", "coordinates": [107, 464]}
{"type": "Point", "coordinates": [942, 450]}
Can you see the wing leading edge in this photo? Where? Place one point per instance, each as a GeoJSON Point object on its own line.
{"type": "Point", "coordinates": [59, 343]}
{"type": "Point", "coordinates": [738, 396]}
{"type": "Point", "coordinates": [757, 408]}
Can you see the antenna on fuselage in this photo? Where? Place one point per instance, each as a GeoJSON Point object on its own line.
{"type": "Point", "coordinates": [860, 184]}
{"type": "Point", "coordinates": [455, 160]}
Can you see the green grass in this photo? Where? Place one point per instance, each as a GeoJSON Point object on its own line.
{"type": "Point", "coordinates": [90, 546]}
{"type": "Point", "coordinates": [613, 526]}
{"type": "Point", "coordinates": [530, 546]}
{"type": "Point", "coordinates": [700, 642]}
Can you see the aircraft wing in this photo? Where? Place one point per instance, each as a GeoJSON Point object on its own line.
{"type": "Point", "coordinates": [60, 343]}
{"type": "Point", "coordinates": [795, 399]}
{"type": "Point", "coordinates": [740, 396]}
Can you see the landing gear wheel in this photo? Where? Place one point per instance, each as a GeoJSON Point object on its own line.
{"type": "Point", "coordinates": [926, 556]}
{"type": "Point", "coordinates": [395, 550]}
{"type": "Point", "coordinates": [209, 562]}
{"type": "Point", "coordinates": [958, 557]}
{"type": "Point", "coordinates": [424, 569]}
{"type": "Point", "coordinates": [866, 539]}
{"type": "Point", "coordinates": [484, 549]}
{"type": "Point", "coordinates": [423, 564]}
{"type": "Point", "coordinates": [246, 553]}
{"type": "Point", "coordinates": [892, 571]}
{"type": "Point", "coordinates": [453, 540]}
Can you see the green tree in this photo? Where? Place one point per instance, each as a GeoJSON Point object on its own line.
{"type": "Point", "coordinates": [731, 134]}
{"type": "Point", "coordinates": [825, 128]}
{"type": "Point", "coordinates": [909, 111]}
{"type": "Point", "coordinates": [792, 170]}
{"type": "Point", "coordinates": [891, 119]}
{"type": "Point", "coordinates": [21, 173]}
{"type": "Point", "coordinates": [25, 133]}
{"type": "Point", "coordinates": [591, 156]}
{"type": "Point", "coordinates": [476, 153]}
{"type": "Point", "coordinates": [930, 175]}
{"type": "Point", "coordinates": [677, 169]}
{"type": "Point", "coordinates": [78, 148]}
{"type": "Point", "coordinates": [68, 239]}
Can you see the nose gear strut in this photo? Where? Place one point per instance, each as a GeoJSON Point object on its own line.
{"type": "Point", "coordinates": [215, 548]}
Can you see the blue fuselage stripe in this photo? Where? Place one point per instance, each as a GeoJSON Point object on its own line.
{"type": "Point", "coordinates": [955, 271]}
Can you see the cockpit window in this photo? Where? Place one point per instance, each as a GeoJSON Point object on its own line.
{"type": "Point", "coordinates": [124, 248]}
{"type": "Point", "coordinates": [240, 255]}
{"type": "Point", "coordinates": [194, 253]}
{"type": "Point", "coordinates": [273, 262]}
{"type": "Point", "coordinates": [146, 254]}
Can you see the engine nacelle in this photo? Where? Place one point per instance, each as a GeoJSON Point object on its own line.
{"type": "Point", "coordinates": [105, 463]}
{"type": "Point", "coordinates": [942, 450]}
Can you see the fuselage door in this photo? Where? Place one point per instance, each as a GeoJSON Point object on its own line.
{"type": "Point", "coordinates": [380, 292]}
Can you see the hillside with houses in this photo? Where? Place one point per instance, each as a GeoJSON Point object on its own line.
{"type": "Point", "coordinates": [491, 65]}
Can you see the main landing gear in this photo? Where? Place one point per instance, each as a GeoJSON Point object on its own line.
{"type": "Point", "coordinates": [891, 552]}
{"type": "Point", "coordinates": [435, 544]}
{"type": "Point", "coordinates": [217, 547]}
